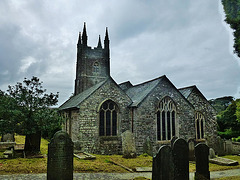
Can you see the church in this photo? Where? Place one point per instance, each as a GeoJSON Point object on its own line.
{"type": "Point", "coordinates": [155, 111]}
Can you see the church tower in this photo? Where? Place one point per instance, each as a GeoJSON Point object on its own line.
{"type": "Point", "coordinates": [93, 64]}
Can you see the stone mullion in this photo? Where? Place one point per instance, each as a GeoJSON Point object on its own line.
{"type": "Point", "coordinates": [170, 124]}
{"type": "Point", "coordinates": [160, 124]}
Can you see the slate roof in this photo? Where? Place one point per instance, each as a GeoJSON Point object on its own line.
{"type": "Point", "coordinates": [139, 92]}
{"type": "Point", "coordinates": [74, 101]}
{"type": "Point", "coordinates": [186, 91]}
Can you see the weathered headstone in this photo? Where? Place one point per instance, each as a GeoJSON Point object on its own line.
{"type": "Point", "coordinates": [180, 159]}
{"type": "Point", "coordinates": [202, 161]}
{"type": "Point", "coordinates": [220, 146]}
{"type": "Point", "coordinates": [128, 145]}
{"type": "Point", "coordinates": [211, 153]}
{"type": "Point", "coordinates": [9, 137]}
{"type": "Point", "coordinates": [163, 168]}
{"type": "Point", "coordinates": [228, 147]}
{"type": "Point", "coordinates": [60, 157]}
{"type": "Point", "coordinates": [191, 146]}
{"type": "Point", "coordinates": [147, 147]}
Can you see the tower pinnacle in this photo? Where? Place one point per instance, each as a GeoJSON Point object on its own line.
{"type": "Point", "coordinates": [99, 43]}
{"type": "Point", "coordinates": [84, 35]}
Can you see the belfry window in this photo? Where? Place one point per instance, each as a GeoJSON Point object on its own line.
{"type": "Point", "coordinates": [108, 119]}
{"type": "Point", "coordinates": [166, 119]}
{"type": "Point", "coordinates": [96, 67]}
{"type": "Point", "coordinates": [199, 123]}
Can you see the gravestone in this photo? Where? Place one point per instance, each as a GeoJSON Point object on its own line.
{"type": "Point", "coordinates": [191, 146]}
{"type": "Point", "coordinates": [60, 157]}
{"type": "Point", "coordinates": [180, 159]}
{"type": "Point", "coordinates": [147, 147]}
{"type": "Point", "coordinates": [174, 138]}
{"type": "Point", "coordinates": [163, 168]}
{"type": "Point", "coordinates": [202, 161]}
{"type": "Point", "coordinates": [220, 146]}
{"type": "Point", "coordinates": [211, 153]}
{"type": "Point", "coordinates": [128, 145]}
{"type": "Point", "coordinates": [228, 147]}
{"type": "Point", "coordinates": [9, 137]}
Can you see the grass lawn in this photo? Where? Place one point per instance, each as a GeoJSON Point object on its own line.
{"type": "Point", "coordinates": [102, 163]}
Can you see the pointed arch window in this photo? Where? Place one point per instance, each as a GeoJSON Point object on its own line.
{"type": "Point", "coordinates": [108, 119]}
{"type": "Point", "coordinates": [166, 119]}
{"type": "Point", "coordinates": [199, 125]}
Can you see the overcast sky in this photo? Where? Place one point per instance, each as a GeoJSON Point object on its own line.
{"type": "Point", "coordinates": [186, 40]}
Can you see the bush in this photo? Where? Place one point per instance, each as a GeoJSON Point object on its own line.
{"type": "Point", "coordinates": [236, 139]}
{"type": "Point", "coordinates": [228, 134]}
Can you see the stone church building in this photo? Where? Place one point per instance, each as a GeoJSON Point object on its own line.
{"type": "Point", "coordinates": [154, 111]}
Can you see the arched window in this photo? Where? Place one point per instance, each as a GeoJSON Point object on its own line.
{"type": "Point", "coordinates": [108, 117]}
{"type": "Point", "coordinates": [166, 119]}
{"type": "Point", "coordinates": [199, 124]}
{"type": "Point", "coordinates": [96, 67]}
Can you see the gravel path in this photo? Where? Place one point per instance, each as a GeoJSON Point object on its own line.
{"type": "Point", "coordinates": [109, 176]}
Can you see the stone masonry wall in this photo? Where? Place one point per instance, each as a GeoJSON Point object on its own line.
{"type": "Point", "coordinates": [87, 131]}
{"type": "Point", "coordinates": [202, 105]}
{"type": "Point", "coordinates": [145, 118]}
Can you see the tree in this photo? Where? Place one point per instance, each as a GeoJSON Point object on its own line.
{"type": "Point", "coordinates": [232, 11]}
{"type": "Point", "coordinates": [238, 110]}
{"type": "Point", "coordinates": [228, 125]}
{"type": "Point", "coordinates": [33, 102]}
{"type": "Point", "coordinates": [9, 114]}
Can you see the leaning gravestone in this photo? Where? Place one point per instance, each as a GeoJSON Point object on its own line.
{"type": "Point", "coordinates": [191, 146]}
{"type": "Point", "coordinates": [180, 159]}
{"type": "Point", "coordinates": [147, 147]}
{"type": "Point", "coordinates": [60, 157]}
{"type": "Point", "coordinates": [128, 145]}
{"type": "Point", "coordinates": [163, 168]}
{"type": "Point", "coordinates": [202, 162]}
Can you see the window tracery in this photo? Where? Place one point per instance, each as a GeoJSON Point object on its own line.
{"type": "Point", "coordinates": [166, 119]}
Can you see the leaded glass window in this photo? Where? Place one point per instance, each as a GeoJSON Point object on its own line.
{"type": "Point", "coordinates": [108, 117]}
{"type": "Point", "coordinates": [166, 119]}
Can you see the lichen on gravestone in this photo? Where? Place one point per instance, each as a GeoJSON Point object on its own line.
{"type": "Point", "coordinates": [60, 157]}
{"type": "Point", "coordinates": [128, 145]}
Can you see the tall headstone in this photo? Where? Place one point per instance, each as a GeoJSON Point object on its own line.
{"type": "Point", "coordinates": [9, 137]}
{"type": "Point", "coordinates": [128, 145]}
{"type": "Point", "coordinates": [147, 147]}
{"type": "Point", "coordinates": [60, 157]}
{"type": "Point", "coordinates": [202, 161]}
{"type": "Point", "coordinates": [191, 146]}
{"type": "Point", "coordinates": [220, 147]}
{"type": "Point", "coordinates": [163, 168]}
{"type": "Point", "coordinates": [180, 159]}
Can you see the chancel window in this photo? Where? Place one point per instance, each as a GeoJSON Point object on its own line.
{"type": "Point", "coordinates": [108, 119]}
{"type": "Point", "coordinates": [166, 119]}
{"type": "Point", "coordinates": [199, 124]}
{"type": "Point", "coordinates": [96, 67]}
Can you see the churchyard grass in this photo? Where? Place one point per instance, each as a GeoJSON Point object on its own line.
{"type": "Point", "coordinates": [102, 163]}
